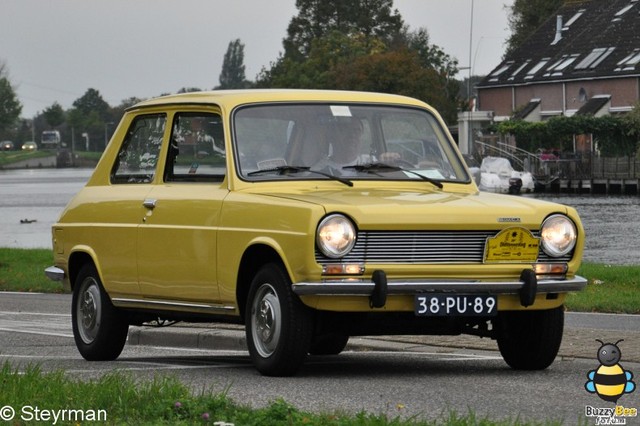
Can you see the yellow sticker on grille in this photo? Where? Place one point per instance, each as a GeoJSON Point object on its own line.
{"type": "Point", "coordinates": [512, 245]}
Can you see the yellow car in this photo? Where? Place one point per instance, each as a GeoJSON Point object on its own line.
{"type": "Point", "coordinates": [309, 216]}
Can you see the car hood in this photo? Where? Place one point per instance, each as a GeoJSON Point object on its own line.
{"type": "Point", "coordinates": [401, 209]}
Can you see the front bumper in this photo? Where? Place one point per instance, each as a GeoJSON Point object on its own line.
{"type": "Point", "coordinates": [377, 289]}
{"type": "Point", "coordinates": [54, 273]}
{"type": "Point", "coordinates": [408, 287]}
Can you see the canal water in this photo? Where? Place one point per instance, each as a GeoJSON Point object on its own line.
{"type": "Point", "coordinates": [31, 201]}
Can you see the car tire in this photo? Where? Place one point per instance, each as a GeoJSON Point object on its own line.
{"type": "Point", "coordinates": [99, 329]}
{"type": "Point", "coordinates": [530, 340]}
{"type": "Point", "coordinates": [278, 324]}
{"type": "Point", "coordinates": [328, 344]}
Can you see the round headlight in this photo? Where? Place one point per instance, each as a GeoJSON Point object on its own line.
{"type": "Point", "coordinates": [558, 235]}
{"type": "Point", "coordinates": [336, 236]}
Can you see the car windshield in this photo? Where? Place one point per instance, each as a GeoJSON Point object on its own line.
{"type": "Point", "coordinates": [348, 141]}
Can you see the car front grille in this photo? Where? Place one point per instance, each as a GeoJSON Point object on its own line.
{"type": "Point", "coordinates": [423, 247]}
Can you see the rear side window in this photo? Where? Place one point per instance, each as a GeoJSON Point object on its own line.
{"type": "Point", "coordinates": [138, 156]}
{"type": "Point", "coordinates": [196, 152]}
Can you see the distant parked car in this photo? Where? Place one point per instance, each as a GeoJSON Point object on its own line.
{"type": "Point", "coordinates": [29, 146]}
{"type": "Point", "coordinates": [6, 146]}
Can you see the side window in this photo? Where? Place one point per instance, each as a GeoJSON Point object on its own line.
{"type": "Point", "coordinates": [138, 156]}
{"type": "Point", "coordinates": [196, 152]}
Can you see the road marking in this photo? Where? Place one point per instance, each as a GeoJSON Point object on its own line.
{"type": "Point", "coordinates": [34, 313]}
{"type": "Point", "coordinates": [13, 330]}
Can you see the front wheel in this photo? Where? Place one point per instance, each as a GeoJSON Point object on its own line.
{"type": "Point", "coordinates": [530, 340]}
{"type": "Point", "coordinates": [278, 325]}
{"type": "Point", "coordinates": [328, 344]}
{"type": "Point", "coordinates": [99, 329]}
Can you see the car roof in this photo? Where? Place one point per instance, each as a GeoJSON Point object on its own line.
{"type": "Point", "coordinates": [233, 98]}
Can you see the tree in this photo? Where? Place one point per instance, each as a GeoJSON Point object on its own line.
{"type": "Point", "coordinates": [316, 71]}
{"type": "Point", "coordinates": [92, 102]}
{"type": "Point", "coordinates": [10, 106]}
{"type": "Point", "coordinates": [526, 17]}
{"type": "Point", "coordinates": [232, 75]}
{"type": "Point", "coordinates": [54, 115]}
{"type": "Point", "coordinates": [317, 18]}
{"type": "Point", "coordinates": [361, 45]}
{"type": "Point", "coordinates": [91, 115]}
{"type": "Point", "coordinates": [397, 71]}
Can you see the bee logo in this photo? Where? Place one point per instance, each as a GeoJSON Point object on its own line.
{"type": "Point", "coordinates": [610, 381]}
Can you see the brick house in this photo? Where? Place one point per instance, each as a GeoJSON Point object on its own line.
{"type": "Point", "coordinates": [583, 60]}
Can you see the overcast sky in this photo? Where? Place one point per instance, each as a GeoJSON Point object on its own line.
{"type": "Point", "coordinates": [57, 49]}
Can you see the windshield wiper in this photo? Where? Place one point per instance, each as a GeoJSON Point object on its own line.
{"type": "Point", "coordinates": [283, 170]}
{"type": "Point", "coordinates": [382, 167]}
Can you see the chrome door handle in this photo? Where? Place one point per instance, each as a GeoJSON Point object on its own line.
{"type": "Point", "coordinates": [149, 203]}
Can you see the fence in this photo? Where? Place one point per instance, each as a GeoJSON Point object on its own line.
{"type": "Point", "coordinates": [574, 173]}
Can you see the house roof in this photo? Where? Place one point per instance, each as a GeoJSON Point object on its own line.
{"type": "Point", "coordinates": [594, 105]}
{"type": "Point", "coordinates": [528, 109]}
{"type": "Point", "coordinates": [584, 40]}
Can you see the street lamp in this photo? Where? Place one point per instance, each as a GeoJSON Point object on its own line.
{"type": "Point", "coordinates": [469, 132]}
{"type": "Point", "coordinates": [86, 140]}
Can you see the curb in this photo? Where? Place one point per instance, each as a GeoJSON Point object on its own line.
{"type": "Point", "coordinates": [189, 337]}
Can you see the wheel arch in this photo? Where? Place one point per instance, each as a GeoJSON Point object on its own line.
{"type": "Point", "coordinates": [77, 259]}
{"type": "Point", "coordinates": [252, 260]}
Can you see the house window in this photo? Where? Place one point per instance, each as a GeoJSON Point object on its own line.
{"type": "Point", "coordinates": [573, 19]}
{"type": "Point", "coordinates": [629, 63]}
{"type": "Point", "coordinates": [593, 59]}
{"type": "Point", "coordinates": [625, 9]}
{"type": "Point", "coordinates": [494, 75]}
{"type": "Point", "coordinates": [559, 66]}
{"type": "Point", "coordinates": [520, 68]}
{"type": "Point", "coordinates": [532, 72]}
{"type": "Point", "coordinates": [617, 16]}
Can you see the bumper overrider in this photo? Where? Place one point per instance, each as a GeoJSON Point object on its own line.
{"type": "Point", "coordinates": [377, 289]}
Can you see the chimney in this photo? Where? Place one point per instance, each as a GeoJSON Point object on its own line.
{"type": "Point", "coordinates": [558, 30]}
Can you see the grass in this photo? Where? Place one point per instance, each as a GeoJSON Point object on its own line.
{"type": "Point", "coordinates": [611, 288]}
{"type": "Point", "coordinates": [117, 398]}
{"type": "Point", "coordinates": [23, 270]}
{"type": "Point", "coordinates": [89, 155]}
{"type": "Point", "coordinates": [614, 289]}
{"type": "Point", "coordinates": [9, 157]}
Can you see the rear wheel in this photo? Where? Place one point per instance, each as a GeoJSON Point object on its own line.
{"type": "Point", "coordinates": [99, 329]}
{"type": "Point", "coordinates": [278, 325]}
{"type": "Point", "coordinates": [530, 340]}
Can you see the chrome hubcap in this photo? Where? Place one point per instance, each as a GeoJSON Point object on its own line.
{"type": "Point", "coordinates": [266, 320]}
{"type": "Point", "coordinates": [88, 311]}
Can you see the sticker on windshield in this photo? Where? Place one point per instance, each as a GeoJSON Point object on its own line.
{"type": "Point", "coordinates": [340, 111]}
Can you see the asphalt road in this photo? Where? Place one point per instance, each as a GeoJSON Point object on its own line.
{"type": "Point", "coordinates": [405, 377]}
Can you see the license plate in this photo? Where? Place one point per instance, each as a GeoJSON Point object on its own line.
{"type": "Point", "coordinates": [455, 305]}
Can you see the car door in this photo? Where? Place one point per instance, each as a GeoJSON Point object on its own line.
{"type": "Point", "coordinates": [116, 208]}
{"type": "Point", "coordinates": [177, 242]}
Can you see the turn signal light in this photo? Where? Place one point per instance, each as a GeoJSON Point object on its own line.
{"type": "Point", "coordinates": [550, 269]}
{"type": "Point", "coordinates": [343, 269]}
